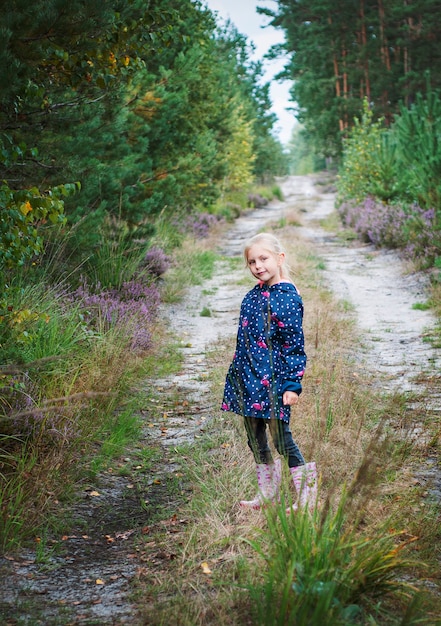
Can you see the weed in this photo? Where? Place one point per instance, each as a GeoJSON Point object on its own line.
{"type": "Point", "coordinates": [191, 267]}
{"type": "Point", "coordinates": [421, 306]}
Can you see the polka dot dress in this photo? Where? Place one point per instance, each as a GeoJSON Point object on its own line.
{"type": "Point", "coordinates": [270, 354]}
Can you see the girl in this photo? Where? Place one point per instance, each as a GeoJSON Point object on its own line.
{"type": "Point", "coordinates": [264, 379]}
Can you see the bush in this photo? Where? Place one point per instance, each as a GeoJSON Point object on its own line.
{"type": "Point", "coordinates": [412, 229]}
{"type": "Point", "coordinates": [156, 261]}
{"type": "Point", "coordinates": [132, 309]}
{"type": "Point", "coordinates": [375, 222]}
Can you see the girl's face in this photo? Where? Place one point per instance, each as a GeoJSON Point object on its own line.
{"type": "Point", "coordinates": [265, 265]}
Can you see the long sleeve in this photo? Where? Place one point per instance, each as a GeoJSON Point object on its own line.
{"type": "Point", "coordinates": [287, 318]}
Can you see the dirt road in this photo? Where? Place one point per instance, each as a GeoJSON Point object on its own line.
{"type": "Point", "coordinates": [382, 298]}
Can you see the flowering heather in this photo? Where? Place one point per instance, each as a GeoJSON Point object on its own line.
{"type": "Point", "coordinates": [423, 238]}
{"type": "Point", "coordinates": [412, 229]}
{"type": "Point", "coordinates": [156, 261]}
{"type": "Point", "coordinates": [376, 222]}
{"type": "Point", "coordinates": [198, 224]}
{"type": "Point", "coordinates": [132, 309]}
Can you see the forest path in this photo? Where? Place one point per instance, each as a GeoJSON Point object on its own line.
{"type": "Point", "coordinates": [88, 580]}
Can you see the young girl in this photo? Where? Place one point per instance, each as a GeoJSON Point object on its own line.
{"type": "Point", "coordinates": [264, 379]}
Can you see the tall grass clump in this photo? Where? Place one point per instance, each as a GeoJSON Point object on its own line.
{"type": "Point", "coordinates": [191, 266]}
{"type": "Point", "coordinates": [321, 569]}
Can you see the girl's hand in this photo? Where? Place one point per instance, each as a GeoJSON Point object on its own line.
{"type": "Point", "coordinates": [290, 398]}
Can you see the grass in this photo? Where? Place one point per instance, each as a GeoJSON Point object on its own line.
{"type": "Point", "coordinates": [116, 259]}
{"type": "Point", "coordinates": [192, 265]}
{"type": "Point", "coordinates": [13, 500]}
{"type": "Point", "coordinates": [421, 306]}
{"type": "Point", "coordinates": [320, 570]}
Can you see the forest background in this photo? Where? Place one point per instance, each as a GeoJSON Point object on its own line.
{"type": "Point", "coordinates": [129, 129]}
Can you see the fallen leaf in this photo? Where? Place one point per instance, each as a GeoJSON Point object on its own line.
{"type": "Point", "coordinates": [99, 581]}
{"type": "Point", "coordinates": [205, 568]}
{"type": "Point", "coordinates": [94, 493]}
{"type": "Point", "coordinates": [124, 535]}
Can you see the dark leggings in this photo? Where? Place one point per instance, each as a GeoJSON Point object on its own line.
{"type": "Point", "coordinates": [281, 435]}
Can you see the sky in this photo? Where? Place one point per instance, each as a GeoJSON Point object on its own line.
{"type": "Point", "coordinates": [249, 23]}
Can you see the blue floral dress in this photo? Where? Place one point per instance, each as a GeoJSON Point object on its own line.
{"type": "Point", "coordinates": [270, 354]}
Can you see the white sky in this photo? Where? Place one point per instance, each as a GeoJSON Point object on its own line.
{"type": "Point", "coordinates": [249, 23]}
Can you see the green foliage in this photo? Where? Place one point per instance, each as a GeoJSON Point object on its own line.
{"type": "Point", "coordinates": [302, 157]}
{"type": "Point", "coordinates": [191, 268]}
{"type": "Point", "coordinates": [360, 174]}
{"type": "Point", "coordinates": [12, 492]}
{"type": "Point", "coordinates": [364, 50]}
{"type": "Point", "coordinates": [417, 131]}
{"type": "Point", "coordinates": [319, 571]}
{"type": "Point", "coordinates": [271, 159]}
{"type": "Point", "coordinates": [117, 258]}
{"type": "Point", "coordinates": [34, 324]}
{"type": "Point", "coordinates": [152, 108]}
{"type": "Point", "coordinates": [390, 180]}
{"type": "Point", "coordinates": [24, 214]}
{"type": "Point", "coordinates": [239, 156]}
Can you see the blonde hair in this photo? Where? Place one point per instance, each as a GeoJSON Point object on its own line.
{"type": "Point", "coordinates": [273, 245]}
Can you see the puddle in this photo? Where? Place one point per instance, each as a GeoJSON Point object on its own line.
{"type": "Point", "coordinates": [87, 580]}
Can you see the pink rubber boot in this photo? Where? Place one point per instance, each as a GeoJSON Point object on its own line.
{"type": "Point", "coordinates": [305, 482]}
{"type": "Point", "coordinates": [269, 477]}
